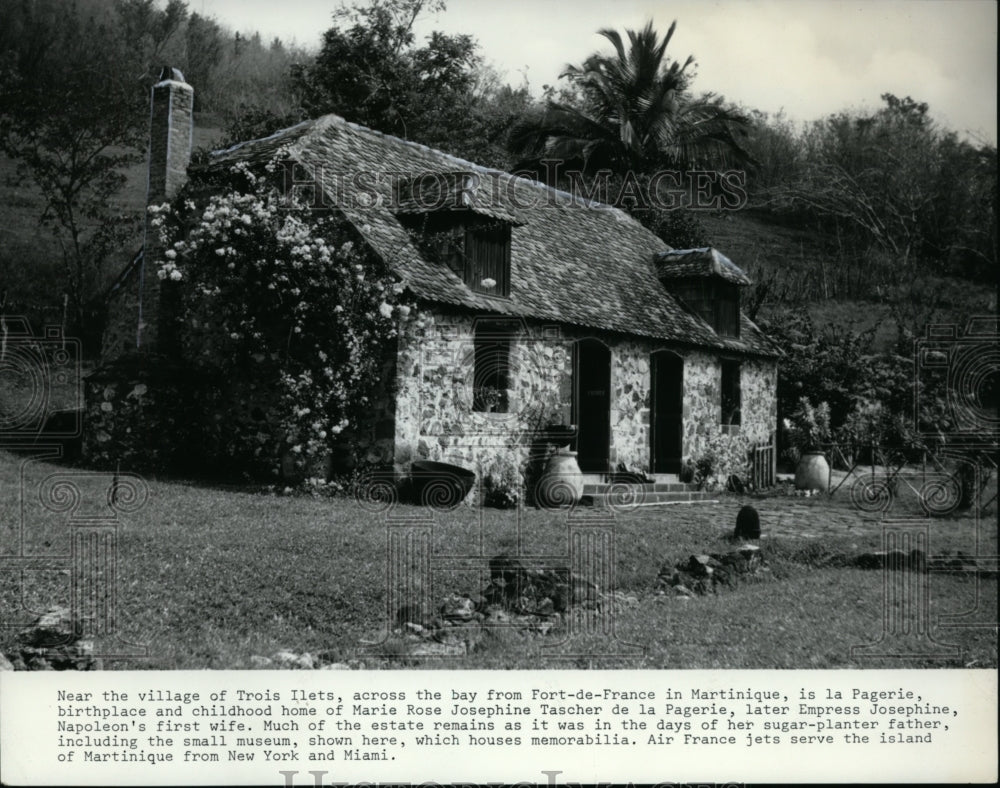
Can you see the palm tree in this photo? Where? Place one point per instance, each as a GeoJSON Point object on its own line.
{"type": "Point", "coordinates": [634, 114]}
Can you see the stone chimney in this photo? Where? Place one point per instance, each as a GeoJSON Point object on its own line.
{"type": "Point", "coordinates": [171, 128]}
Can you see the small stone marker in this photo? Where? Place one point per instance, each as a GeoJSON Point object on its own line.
{"type": "Point", "coordinates": [747, 523]}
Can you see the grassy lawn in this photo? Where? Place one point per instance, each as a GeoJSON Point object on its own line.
{"type": "Point", "coordinates": [209, 577]}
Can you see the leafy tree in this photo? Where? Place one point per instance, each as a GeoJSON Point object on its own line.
{"type": "Point", "coordinates": [73, 114]}
{"type": "Point", "coordinates": [204, 43]}
{"type": "Point", "coordinates": [897, 184]}
{"type": "Point", "coordinates": [635, 113]}
{"type": "Point", "coordinates": [371, 71]}
{"type": "Point", "coordinates": [775, 145]}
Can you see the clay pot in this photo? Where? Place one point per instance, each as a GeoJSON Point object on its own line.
{"type": "Point", "coordinates": [562, 482]}
{"type": "Point", "coordinates": [812, 472]}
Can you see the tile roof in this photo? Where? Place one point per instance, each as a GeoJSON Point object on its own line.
{"type": "Point", "coordinates": [572, 261]}
{"type": "Point", "coordinates": [683, 263]}
{"type": "Point", "coordinates": [451, 192]}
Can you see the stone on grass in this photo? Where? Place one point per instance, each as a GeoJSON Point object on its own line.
{"type": "Point", "coordinates": [5, 663]}
{"type": "Point", "coordinates": [497, 614]}
{"type": "Point", "coordinates": [747, 524]}
{"type": "Point", "coordinates": [408, 613]}
{"type": "Point", "coordinates": [52, 642]}
{"type": "Point", "coordinates": [260, 662]}
{"type": "Point", "coordinates": [306, 661]}
{"type": "Point", "coordinates": [704, 573]}
{"type": "Point", "coordinates": [458, 608]}
{"type": "Point", "coordinates": [896, 560]}
{"type": "Point", "coordinates": [54, 627]}
{"type": "Point", "coordinates": [285, 658]}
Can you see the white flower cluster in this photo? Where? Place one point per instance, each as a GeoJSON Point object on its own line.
{"type": "Point", "coordinates": [272, 290]}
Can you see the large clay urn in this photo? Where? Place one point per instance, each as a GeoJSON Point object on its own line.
{"type": "Point", "coordinates": [812, 472]}
{"type": "Point", "coordinates": [562, 482]}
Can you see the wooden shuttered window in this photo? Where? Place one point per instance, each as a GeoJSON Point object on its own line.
{"type": "Point", "coordinates": [731, 392]}
{"type": "Point", "coordinates": [727, 309]}
{"type": "Point", "coordinates": [487, 257]}
{"type": "Point", "coordinates": [476, 249]}
{"type": "Point", "coordinates": [716, 302]}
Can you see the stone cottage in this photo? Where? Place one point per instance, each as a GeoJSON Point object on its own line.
{"type": "Point", "coordinates": [538, 308]}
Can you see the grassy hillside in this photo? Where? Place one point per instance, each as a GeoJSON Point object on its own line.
{"type": "Point", "coordinates": [811, 269]}
{"type": "Point", "coordinates": [30, 256]}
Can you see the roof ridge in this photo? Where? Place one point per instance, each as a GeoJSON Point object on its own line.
{"type": "Point", "coordinates": [235, 147]}
{"type": "Point", "coordinates": [323, 122]}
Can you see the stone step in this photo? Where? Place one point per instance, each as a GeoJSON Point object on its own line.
{"type": "Point", "coordinates": [652, 498]}
{"type": "Point", "coordinates": [667, 487]}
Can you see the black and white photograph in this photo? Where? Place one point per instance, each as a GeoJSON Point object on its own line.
{"type": "Point", "coordinates": [443, 391]}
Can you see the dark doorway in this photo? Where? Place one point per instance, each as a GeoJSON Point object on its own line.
{"type": "Point", "coordinates": [666, 417]}
{"type": "Point", "coordinates": [592, 375]}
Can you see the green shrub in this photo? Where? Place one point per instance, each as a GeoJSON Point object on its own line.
{"type": "Point", "coordinates": [503, 487]}
{"type": "Point", "coordinates": [278, 324]}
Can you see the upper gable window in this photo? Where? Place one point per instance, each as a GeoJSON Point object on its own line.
{"type": "Point", "coordinates": [476, 250]}
{"type": "Point", "coordinates": [487, 259]}
{"type": "Point", "coordinates": [708, 283]}
{"type": "Point", "coordinates": [456, 221]}
{"type": "Point", "coordinates": [727, 309]}
{"type": "Point", "coordinates": [717, 302]}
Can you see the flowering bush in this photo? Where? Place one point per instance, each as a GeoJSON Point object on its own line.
{"type": "Point", "coordinates": [286, 304]}
{"type": "Point", "coordinates": [872, 424]}
{"type": "Point", "coordinates": [807, 428]}
{"type": "Point", "coordinates": [721, 456]}
{"type": "Point", "coordinates": [502, 483]}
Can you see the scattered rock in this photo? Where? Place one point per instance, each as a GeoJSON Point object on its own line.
{"type": "Point", "coordinates": [518, 601]}
{"type": "Point", "coordinates": [285, 659]}
{"type": "Point", "coordinates": [260, 662]}
{"type": "Point", "coordinates": [431, 649]}
{"type": "Point", "coordinates": [55, 627]}
{"type": "Point", "coordinates": [52, 642]}
{"type": "Point", "coordinates": [496, 614]}
{"type": "Point", "coordinates": [336, 666]}
{"type": "Point", "coordinates": [409, 613]}
{"type": "Point", "coordinates": [537, 591]}
{"type": "Point", "coordinates": [306, 661]}
{"type": "Point", "coordinates": [458, 608]}
{"type": "Point", "coordinates": [704, 573]}
{"type": "Point", "coordinates": [5, 663]}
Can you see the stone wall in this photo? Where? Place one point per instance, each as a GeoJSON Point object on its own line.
{"type": "Point", "coordinates": [703, 405]}
{"type": "Point", "coordinates": [630, 404]}
{"type": "Point", "coordinates": [434, 418]}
